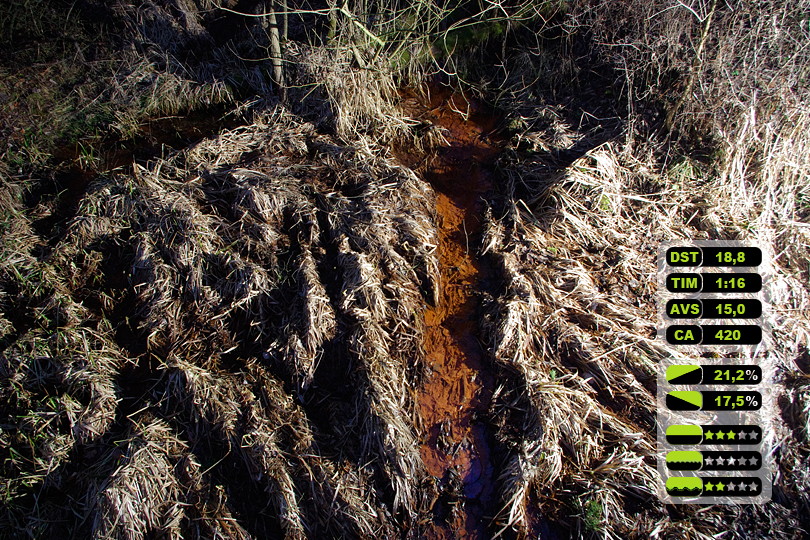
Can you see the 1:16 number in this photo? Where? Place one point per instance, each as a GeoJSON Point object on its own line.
{"type": "Point", "coordinates": [733, 283]}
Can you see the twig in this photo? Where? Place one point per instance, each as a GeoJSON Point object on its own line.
{"type": "Point", "coordinates": [696, 65]}
{"type": "Point", "coordinates": [343, 9]}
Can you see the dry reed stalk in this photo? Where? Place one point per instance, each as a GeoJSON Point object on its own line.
{"type": "Point", "coordinates": [141, 498]}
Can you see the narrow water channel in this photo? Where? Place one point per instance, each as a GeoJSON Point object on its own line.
{"type": "Point", "coordinates": [459, 384]}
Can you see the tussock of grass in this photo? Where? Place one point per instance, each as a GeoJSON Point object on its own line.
{"type": "Point", "coordinates": [265, 285]}
{"type": "Point", "coordinates": [142, 496]}
{"type": "Point", "coordinates": [561, 344]}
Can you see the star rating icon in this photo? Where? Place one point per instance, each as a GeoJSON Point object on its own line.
{"type": "Point", "coordinates": [752, 486]}
{"type": "Point", "coordinates": [731, 460]}
{"type": "Point", "coordinates": [744, 435]}
{"type": "Point", "coordinates": [732, 486]}
{"type": "Point", "coordinates": [730, 435]}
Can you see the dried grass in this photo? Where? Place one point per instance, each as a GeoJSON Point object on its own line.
{"type": "Point", "coordinates": [228, 272]}
{"type": "Point", "coordinates": [574, 335]}
{"type": "Point", "coordinates": [141, 498]}
{"type": "Point", "coordinates": [222, 342]}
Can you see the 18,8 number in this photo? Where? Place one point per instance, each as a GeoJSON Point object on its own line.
{"type": "Point", "coordinates": [728, 257]}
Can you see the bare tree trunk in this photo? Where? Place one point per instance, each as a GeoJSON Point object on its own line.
{"type": "Point", "coordinates": [275, 53]}
{"type": "Point", "coordinates": [285, 23]}
{"type": "Point", "coordinates": [332, 32]}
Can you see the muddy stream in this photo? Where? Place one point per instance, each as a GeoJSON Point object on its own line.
{"type": "Point", "coordinates": [458, 386]}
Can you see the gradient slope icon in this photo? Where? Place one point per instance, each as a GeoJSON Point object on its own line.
{"type": "Point", "coordinates": [684, 400]}
{"type": "Point", "coordinates": [688, 374]}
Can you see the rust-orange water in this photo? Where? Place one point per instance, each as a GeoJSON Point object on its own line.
{"type": "Point", "coordinates": [459, 383]}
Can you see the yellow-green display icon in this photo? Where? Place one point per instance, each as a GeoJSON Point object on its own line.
{"type": "Point", "coordinates": [684, 460]}
{"type": "Point", "coordinates": [688, 374]}
{"type": "Point", "coordinates": [684, 434]}
{"type": "Point", "coordinates": [684, 400]}
{"type": "Point", "coordinates": [684, 486]}
{"type": "Point", "coordinates": [684, 256]}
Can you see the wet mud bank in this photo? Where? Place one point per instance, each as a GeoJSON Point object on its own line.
{"type": "Point", "coordinates": [458, 387]}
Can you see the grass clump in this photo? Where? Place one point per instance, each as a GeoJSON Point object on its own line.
{"type": "Point", "coordinates": [205, 364]}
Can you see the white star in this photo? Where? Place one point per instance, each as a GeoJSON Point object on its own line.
{"type": "Point", "coordinates": [709, 461]}
{"type": "Point", "coordinates": [732, 461]}
{"type": "Point", "coordinates": [743, 435]}
{"type": "Point", "coordinates": [754, 435]}
{"type": "Point", "coordinates": [750, 487]}
{"type": "Point", "coordinates": [721, 461]}
{"type": "Point", "coordinates": [753, 461]}
{"type": "Point", "coordinates": [732, 486]}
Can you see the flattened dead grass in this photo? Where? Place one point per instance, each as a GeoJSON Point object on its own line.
{"type": "Point", "coordinates": [574, 334]}
{"type": "Point", "coordinates": [264, 287]}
